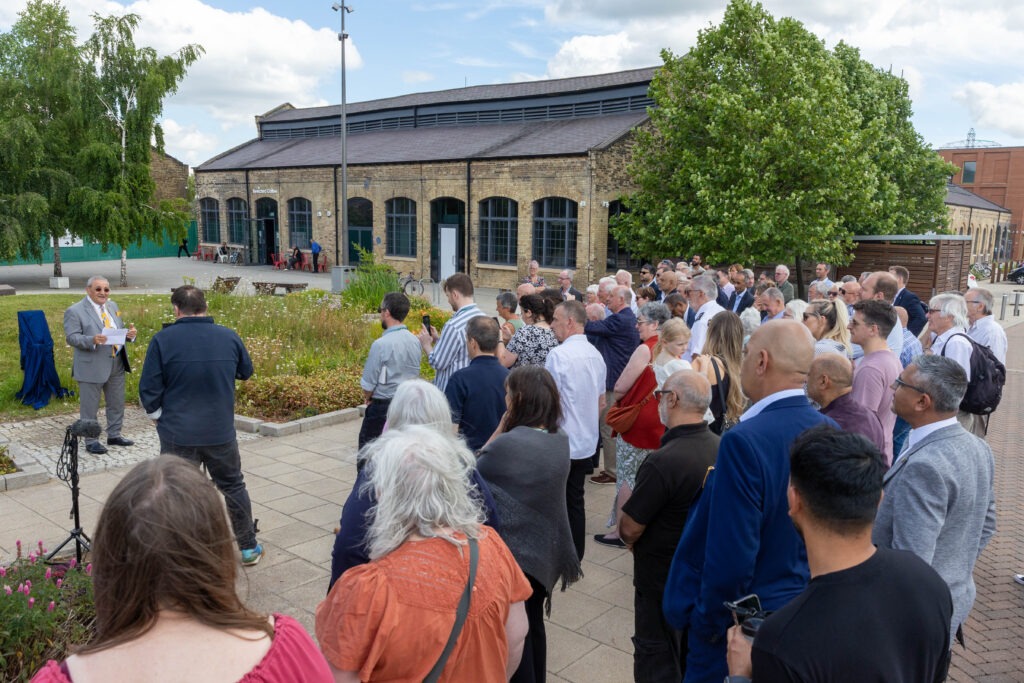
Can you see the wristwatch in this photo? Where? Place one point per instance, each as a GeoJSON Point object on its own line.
{"type": "Point", "coordinates": [737, 679]}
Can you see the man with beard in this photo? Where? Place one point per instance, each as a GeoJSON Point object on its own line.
{"type": "Point", "coordinates": [653, 518]}
{"type": "Point", "coordinates": [393, 358]}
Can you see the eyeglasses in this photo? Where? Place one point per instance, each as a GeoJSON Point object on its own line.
{"type": "Point", "coordinates": [897, 383]}
{"type": "Point", "coordinates": [935, 310]}
{"type": "Point", "coordinates": [841, 291]}
{"type": "Point", "coordinates": [662, 392]}
{"type": "Point", "coordinates": [833, 294]}
{"type": "Point", "coordinates": [101, 289]}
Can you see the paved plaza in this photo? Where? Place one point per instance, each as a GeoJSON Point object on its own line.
{"type": "Point", "coordinates": [298, 484]}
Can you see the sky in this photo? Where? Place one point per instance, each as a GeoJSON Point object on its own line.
{"type": "Point", "coordinates": [962, 59]}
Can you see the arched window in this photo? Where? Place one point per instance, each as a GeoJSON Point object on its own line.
{"type": "Point", "coordinates": [300, 222]}
{"type": "Point", "coordinates": [554, 232]}
{"type": "Point", "coordinates": [238, 215]}
{"type": "Point", "coordinates": [209, 217]}
{"type": "Point", "coordinates": [499, 230]}
{"type": "Point", "coordinates": [400, 226]}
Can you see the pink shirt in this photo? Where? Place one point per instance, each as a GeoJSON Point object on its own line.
{"type": "Point", "coordinates": [872, 382]}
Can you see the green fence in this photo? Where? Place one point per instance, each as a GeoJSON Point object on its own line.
{"type": "Point", "coordinates": [94, 252]}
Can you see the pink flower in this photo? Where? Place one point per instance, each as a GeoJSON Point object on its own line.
{"type": "Point", "coordinates": [7, 589]}
{"type": "Point", "coordinates": [28, 586]}
{"type": "Point", "coordinates": [88, 569]}
{"type": "Point", "coordinates": [74, 561]}
{"type": "Point", "coordinates": [31, 603]}
{"type": "Point", "coordinates": [21, 588]}
{"type": "Point", "coordinates": [41, 551]}
{"type": "Point", "coordinates": [51, 606]}
{"type": "Point", "coordinates": [49, 572]}
{"type": "Point", "coordinates": [3, 571]}
{"type": "Point", "coordinates": [60, 582]}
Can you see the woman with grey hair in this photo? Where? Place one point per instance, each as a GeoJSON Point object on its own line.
{"type": "Point", "coordinates": [635, 386]}
{"type": "Point", "coordinates": [433, 563]}
{"type": "Point", "coordinates": [416, 403]}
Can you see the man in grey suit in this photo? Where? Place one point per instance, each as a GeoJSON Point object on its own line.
{"type": "Point", "coordinates": [939, 499]}
{"type": "Point", "coordinates": [98, 367]}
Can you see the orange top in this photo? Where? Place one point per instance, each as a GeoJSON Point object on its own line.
{"type": "Point", "coordinates": [390, 619]}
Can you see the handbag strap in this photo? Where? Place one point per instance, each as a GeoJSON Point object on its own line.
{"type": "Point", "coordinates": [460, 615]}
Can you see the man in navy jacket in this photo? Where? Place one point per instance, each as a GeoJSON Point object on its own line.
{"type": "Point", "coordinates": [739, 539]}
{"type": "Point", "coordinates": [188, 388]}
{"type": "Point", "coordinates": [916, 318]}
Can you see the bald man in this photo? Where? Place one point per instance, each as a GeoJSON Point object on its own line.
{"type": "Point", "coordinates": [739, 539]}
{"type": "Point", "coordinates": [830, 385]}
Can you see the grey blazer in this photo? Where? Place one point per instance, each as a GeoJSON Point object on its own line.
{"type": "Point", "coordinates": [940, 504]}
{"type": "Point", "coordinates": [82, 323]}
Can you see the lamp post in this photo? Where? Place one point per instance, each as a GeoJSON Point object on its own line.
{"type": "Point", "coordinates": [341, 254]}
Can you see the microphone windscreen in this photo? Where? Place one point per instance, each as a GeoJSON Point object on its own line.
{"type": "Point", "coordinates": [90, 429]}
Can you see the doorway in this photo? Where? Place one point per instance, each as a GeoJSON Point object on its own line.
{"type": "Point", "coordinates": [447, 237]}
{"type": "Point", "coordinates": [263, 239]}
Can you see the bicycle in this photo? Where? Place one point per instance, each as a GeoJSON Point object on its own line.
{"type": "Point", "coordinates": [411, 286]}
{"type": "Point", "coordinates": [981, 270]}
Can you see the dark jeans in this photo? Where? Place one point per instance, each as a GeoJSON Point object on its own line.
{"type": "Point", "coordinates": [374, 417]}
{"type": "Point", "coordinates": [533, 665]}
{"type": "Point", "coordinates": [578, 472]}
{"type": "Point", "coordinates": [657, 647]}
{"type": "Point", "coordinates": [316, 257]}
{"type": "Point", "coordinates": [182, 248]}
{"type": "Point", "coordinates": [224, 464]}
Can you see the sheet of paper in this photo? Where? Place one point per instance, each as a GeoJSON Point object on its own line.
{"type": "Point", "coordinates": [115, 336]}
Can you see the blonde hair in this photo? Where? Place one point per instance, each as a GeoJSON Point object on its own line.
{"type": "Point", "coordinates": [670, 331]}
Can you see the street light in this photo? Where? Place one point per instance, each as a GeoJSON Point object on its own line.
{"type": "Point", "coordinates": [341, 255]}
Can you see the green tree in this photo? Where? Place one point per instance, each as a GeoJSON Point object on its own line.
{"type": "Point", "coordinates": [127, 85]}
{"type": "Point", "coordinates": [41, 118]}
{"type": "Point", "coordinates": [758, 149]}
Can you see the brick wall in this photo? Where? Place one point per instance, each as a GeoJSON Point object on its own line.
{"type": "Point", "coordinates": [169, 175]}
{"type": "Point", "coordinates": [999, 178]}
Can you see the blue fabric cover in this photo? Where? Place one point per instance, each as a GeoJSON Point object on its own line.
{"type": "Point", "coordinates": [41, 380]}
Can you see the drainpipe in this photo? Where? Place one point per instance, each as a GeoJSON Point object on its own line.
{"type": "Point", "coordinates": [469, 204]}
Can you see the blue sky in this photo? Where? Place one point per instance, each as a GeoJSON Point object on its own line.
{"type": "Point", "coordinates": [962, 60]}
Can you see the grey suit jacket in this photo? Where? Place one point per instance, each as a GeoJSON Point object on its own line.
{"type": "Point", "coordinates": [940, 504]}
{"type": "Point", "coordinates": [82, 323]}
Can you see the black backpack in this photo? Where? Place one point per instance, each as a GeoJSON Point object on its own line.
{"type": "Point", "coordinates": [988, 376]}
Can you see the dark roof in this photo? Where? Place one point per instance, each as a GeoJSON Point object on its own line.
{"type": "Point", "coordinates": [476, 93]}
{"type": "Point", "coordinates": [959, 196]}
{"type": "Point", "coordinates": [566, 137]}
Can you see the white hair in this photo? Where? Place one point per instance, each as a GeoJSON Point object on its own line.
{"type": "Point", "coordinates": [706, 284]}
{"type": "Point", "coordinates": [751, 320]}
{"type": "Point", "coordinates": [418, 402]}
{"type": "Point", "coordinates": [606, 283]}
{"type": "Point", "coordinates": [783, 267]}
{"type": "Point", "coordinates": [796, 308]}
{"type": "Point", "coordinates": [954, 305]}
{"type": "Point", "coordinates": [421, 480]}
{"type": "Point", "coordinates": [625, 274]}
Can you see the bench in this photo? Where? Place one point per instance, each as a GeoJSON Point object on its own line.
{"type": "Point", "coordinates": [271, 287]}
{"type": "Point", "coordinates": [225, 285]}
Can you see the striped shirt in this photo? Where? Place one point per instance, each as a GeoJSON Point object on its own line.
{"type": "Point", "coordinates": [450, 354]}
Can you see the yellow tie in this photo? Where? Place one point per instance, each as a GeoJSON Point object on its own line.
{"type": "Point", "coordinates": [109, 324]}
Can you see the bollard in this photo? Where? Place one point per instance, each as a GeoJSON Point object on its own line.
{"type": "Point", "coordinates": [1002, 313]}
{"type": "Point", "coordinates": [1016, 304]}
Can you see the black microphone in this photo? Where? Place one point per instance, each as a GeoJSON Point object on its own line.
{"type": "Point", "coordinates": [90, 429]}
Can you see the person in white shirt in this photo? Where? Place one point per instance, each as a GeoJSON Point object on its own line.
{"type": "Point", "coordinates": [821, 272]}
{"type": "Point", "coordinates": [986, 331]}
{"type": "Point", "coordinates": [947, 328]}
{"type": "Point", "coordinates": [579, 371]}
{"type": "Point", "coordinates": [702, 294]}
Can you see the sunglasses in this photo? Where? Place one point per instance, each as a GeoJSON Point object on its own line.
{"type": "Point", "coordinates": [833, 294]}
{"type": "Point", "coordinates": [843, 292]}
{"type": "Point", "coordinates": [101, 289]}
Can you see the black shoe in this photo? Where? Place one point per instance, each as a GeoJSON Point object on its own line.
{"type": "Point", "coordinates": [96, 448]}
{"type": "Point", "coordinates": [119, 441]}
{"type": "Point", "coordinates": [610, 542]}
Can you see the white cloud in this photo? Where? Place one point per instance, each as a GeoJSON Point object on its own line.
{"type": "Point", "coordinates": [525, 50]}
{"type": "Point", "coordinates": [995, 107]}
{"type": "Point", "coordinates": [190, 144]}
{"type": "Point", "coordinates": [478, 62]}
{"type": "Point", "coordinates": [417, 76]}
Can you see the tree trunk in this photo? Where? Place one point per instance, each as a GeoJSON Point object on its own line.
{"type": "Point", "coordinates": [56, 256]}
{"type": "Point", "coordinates": [124, 268]}
{"type": "Point", "coordinates": [801, 288]}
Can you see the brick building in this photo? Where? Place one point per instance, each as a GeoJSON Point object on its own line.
{"type": "Point", "coordinates": [997, 174]}
{"type": "Point", "coordinates": [479, 180]}
{"type": "Point", "coordinates": [985, 222]}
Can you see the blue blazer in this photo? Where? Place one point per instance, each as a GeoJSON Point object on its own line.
{"type": "Point", "coordinates": [916, 318]}
{"type": "Point", "coordinates": [746, 301]}
{"type": "Point", "coordinates": [739, 538]}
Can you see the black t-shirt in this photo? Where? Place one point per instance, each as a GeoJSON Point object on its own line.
{"type": "Point", "coordinates": [666, 484]}
{"type": "Point", "coordinates": [887, 619]}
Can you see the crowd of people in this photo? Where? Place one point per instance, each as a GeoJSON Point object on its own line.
{"type": "Point", "coordinates": [750, 436]}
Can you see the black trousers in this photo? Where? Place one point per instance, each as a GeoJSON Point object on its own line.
{"type": "Point", "coordinates": [578, 471]}
{"type": "Point", "coordinates": [533, 665]}
{"type": "Point", "coordinates": [658, 649]}
{"type": "Point", "coordinates": [316, 257]}
{"type": "Point", "coordinates": [374, 418]}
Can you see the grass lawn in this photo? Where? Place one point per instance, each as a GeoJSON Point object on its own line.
{"type": "Point", "coordinates": [307, 348]}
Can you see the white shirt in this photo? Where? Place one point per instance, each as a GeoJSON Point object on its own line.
{"type": "Point", "coordinates": [579, 373]}
{"type": "Point", "coordinates": [916, 435]}
{"type": "Point", "coordinates": [988, 332]}
{"type": "Point", "coordinates": [957, 348]}
{"type": "Point", "coordinates": [755, 410]}
{"type": "Point", "coordinates": [699, 333]}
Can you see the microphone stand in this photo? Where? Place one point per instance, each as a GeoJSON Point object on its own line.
{"type": "Point", "coordinates": [67, 471]}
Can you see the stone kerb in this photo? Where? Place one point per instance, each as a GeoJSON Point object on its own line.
{"type": "Point", "coordinates": [29, 471]}
{"type": "Point", "coordinates": [306, 424]}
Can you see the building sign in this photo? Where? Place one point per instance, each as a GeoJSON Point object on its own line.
{"type": "Point", "coordinates": [268, 190]}
{"type": "Point", "coordinates": [69, 240]}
